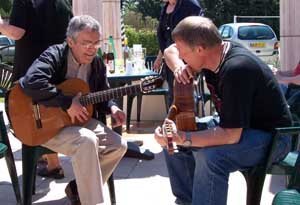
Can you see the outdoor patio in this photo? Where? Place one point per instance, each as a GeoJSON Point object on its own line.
{"type": "Point", "coordinates": [136, 181]}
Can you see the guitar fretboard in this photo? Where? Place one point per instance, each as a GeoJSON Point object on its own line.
{"type": "Point", "coordinates": [101, 96]}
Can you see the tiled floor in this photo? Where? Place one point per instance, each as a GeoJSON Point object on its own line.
{"type": "Point", "coordinates": [137, 181]}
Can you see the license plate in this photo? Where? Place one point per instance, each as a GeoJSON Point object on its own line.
{"type": "Point", "coordinates": [258, 45]}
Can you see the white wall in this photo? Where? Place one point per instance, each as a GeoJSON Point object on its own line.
{"type": "Point", "coordinates": [108, 13]}
{"type": "Point", "coordinates": [289, 33]}
{"type": "Point", "coordinates": [153, 108]}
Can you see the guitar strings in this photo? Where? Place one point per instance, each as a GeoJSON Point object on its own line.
{"type": "Point", "coordinates": [104, 95]}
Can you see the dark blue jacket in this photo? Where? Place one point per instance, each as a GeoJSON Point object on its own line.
{"type": "Point", "coordinates": [183, 8]}
{"type": "Point", "coordinates": [50, 69]}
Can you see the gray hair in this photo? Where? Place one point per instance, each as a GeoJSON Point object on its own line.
{"type": "Point", "coordinates": [80, 23]}
{"type": "Point", "coordinates": [197, 31]}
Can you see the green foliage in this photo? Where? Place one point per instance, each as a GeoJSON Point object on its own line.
{"type": "Point", "coordinates": [220, 11]}
{"type": "Point", "coordinates": [141, 30]}
{"type": "Point", "coordinates": [131, 5]}
{"type": "Point", "coordinates": [145, 37]}
{"type": "Point", "coordinates": [141, 17]}
{"type": "Point", "coordinates": [137, 21]}
{"type": "Point", "coordinates": [3, 13]}
{"type": "Point", "coordinates": [5, 7]}
{"type": "Point", "coordinates": [149, 8]}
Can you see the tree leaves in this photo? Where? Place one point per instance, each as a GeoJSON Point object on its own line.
{"type": "Point", "coordinates": [5, 7]}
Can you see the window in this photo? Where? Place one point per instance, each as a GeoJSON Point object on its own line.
{"type": "Point", "coordinates": [4, 41]}
{"type": "Point", "coordinates": [255, 33]}
{"type": "Point", "coordinates": [226, 32]}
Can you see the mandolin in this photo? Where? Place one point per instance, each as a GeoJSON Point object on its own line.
{"type": "Point", "coordinates": [181, 112]}
{"type": "Point", "coordinates": [34, 123]}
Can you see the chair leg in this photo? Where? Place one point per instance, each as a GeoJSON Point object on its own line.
{"type": "Point", "coordinates": [13, 173]}
{"type": "Point", "coordinates": [111, 188]}
{"type": "Point", "coordinates": [255, 182]}
{"type": "Point", "coordinates": [129, 107]}
{"type": "Point", "coordinates": [287, 197]}
{"type": "Point", "coordinates": [29, 160]}
{"type": "Point", "coordinates": [9, 158]}
{"type": "Point", "coordinates": [139, 107]}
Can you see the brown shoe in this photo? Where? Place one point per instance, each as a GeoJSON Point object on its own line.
{"type": "Point", "coordinates": [72, 193]}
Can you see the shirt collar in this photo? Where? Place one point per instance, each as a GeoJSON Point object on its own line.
{"type": "Point", "coordinates": [72, 58]}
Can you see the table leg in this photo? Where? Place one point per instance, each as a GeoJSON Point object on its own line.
{"type": "Point", "coordinates": [133, 150]}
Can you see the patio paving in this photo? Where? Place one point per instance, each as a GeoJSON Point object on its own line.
{"type": "Point", "coordinates": [136, 181]}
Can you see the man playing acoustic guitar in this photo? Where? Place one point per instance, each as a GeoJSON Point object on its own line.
{"type": "Point", "coordinates": [94, 148]}
{"type": "Point", "coordinates": [248, 100]}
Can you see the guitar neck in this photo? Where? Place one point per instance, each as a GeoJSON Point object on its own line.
{"type": "Point", "coordinates": [101, 96]}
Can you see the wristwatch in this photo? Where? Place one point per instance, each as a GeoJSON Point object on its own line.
{"type": "Point", "coordinates": [188, 139]}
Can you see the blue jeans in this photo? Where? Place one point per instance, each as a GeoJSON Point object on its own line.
{"type": "Point", "coordinates": [284, 88]}
{"type": "Point", "coordinates": [199, 176]}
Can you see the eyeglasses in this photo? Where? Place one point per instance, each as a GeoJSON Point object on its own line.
{"type": "Point", "coordinates": [86, 45]}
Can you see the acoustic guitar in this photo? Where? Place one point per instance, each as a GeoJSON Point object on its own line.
{"type": "Point", "coordinates": [34, 123]}
{"type": "Point", "coordinates": [181, 113]}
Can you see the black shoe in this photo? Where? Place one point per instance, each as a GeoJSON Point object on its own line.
{"type": "Point", "coordinates": [42, 161]}
{"type": "Point", "coordinates": [57, 173]}
{"type": "Point", "coordinates": [72, 193]}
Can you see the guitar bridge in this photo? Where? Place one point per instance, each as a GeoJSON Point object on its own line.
{"type": "Point", "coordinates": [37, 116]}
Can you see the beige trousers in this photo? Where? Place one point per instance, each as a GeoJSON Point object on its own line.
{"type": "Point", "coordinates": [95, 151]}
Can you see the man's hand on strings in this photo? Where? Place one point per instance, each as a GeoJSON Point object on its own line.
{"type": "Point", "coordinates": [118, 115]}
{"type": "Point", "coordinates": [77, 111]}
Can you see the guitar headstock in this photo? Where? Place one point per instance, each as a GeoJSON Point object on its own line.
{"type": "Point", "coordinates": [169, 130]}
{"type": "Point", "coordinates": [150, 83]}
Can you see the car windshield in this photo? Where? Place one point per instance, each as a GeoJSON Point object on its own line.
{"type": "Point", "coordinates": [255, 32]}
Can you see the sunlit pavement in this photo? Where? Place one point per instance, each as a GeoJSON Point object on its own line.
{"type": "Point", "coordinates": [139, 182]}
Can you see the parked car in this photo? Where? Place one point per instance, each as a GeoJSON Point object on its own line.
{"type": "Point", "coordinates": [257, 37]}
{"type": "Point", "coordinates": [7, 49]}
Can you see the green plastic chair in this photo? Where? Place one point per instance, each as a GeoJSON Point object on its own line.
{"type": "Point", "coordinates": [149, 61]}
{"type": "Point", "coordinates": [287, 197]}
{"type": "Point", "coordinates": [255, 176]}
{"type": "Point", "coordinates": [5, 151]}
{"type": "Point", "coordinates": [290, 196]}
{"type": "Point", "coordinates": [5, 78]}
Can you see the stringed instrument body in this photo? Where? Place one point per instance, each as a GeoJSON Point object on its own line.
{"type": "Point", "coordinates": [35, 123]}
{"type": "Point", "coordinates": [182, 111]}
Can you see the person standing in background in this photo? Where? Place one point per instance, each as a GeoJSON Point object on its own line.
{"type": "Point", "coordinates": [288, 77]}
{"type": "Point", "coordinates": [290, 85]}
{"type": "Point", "coordinates": [35, 25]}
{"type": "Point", "coordinates": [171, 14]}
